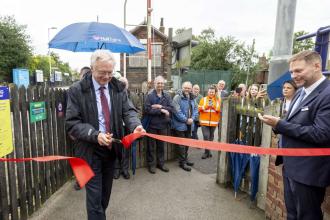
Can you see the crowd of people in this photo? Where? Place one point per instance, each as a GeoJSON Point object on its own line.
{"type": "Point", "coordinates": [101, 108]}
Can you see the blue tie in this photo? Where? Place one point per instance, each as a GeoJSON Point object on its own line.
{"type": "Point", "coordinates": [297, 103]}
{"type": "Point", "coordinates": [301, 96]}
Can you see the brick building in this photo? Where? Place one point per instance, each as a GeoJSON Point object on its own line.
{"type": "Point", "coordinates": [136, 64]}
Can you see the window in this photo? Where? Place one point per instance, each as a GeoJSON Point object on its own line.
{"type": "Point", "coordinates": [141, 59]}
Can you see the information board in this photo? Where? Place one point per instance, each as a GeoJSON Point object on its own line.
{"type": "Point", "coordinates": [37, 111]}
{"type": "Point", "coordinates": [6, 140]}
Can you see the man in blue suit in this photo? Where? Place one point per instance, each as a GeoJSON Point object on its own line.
{"type": "Point", "coordinates": [307, 125]}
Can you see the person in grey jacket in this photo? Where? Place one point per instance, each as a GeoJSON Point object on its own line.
{"type": "Point", "coordinates": [185, 112]}
{"type": "Point", "coordinates": [96, 109]}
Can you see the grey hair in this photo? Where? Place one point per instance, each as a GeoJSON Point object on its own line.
{"type": "Point", "coordinates": [159, 78]}
{"type": "Point", "coordinates": [125, 81]}
{"type": "Point", "coordinates": [102, 55]}
{"type": "Point", "coordinates": [196, 85]}
{"type": "Point", "coordinates": [187, 82]}
{"type": "Point", "coordinates": [222, 81]}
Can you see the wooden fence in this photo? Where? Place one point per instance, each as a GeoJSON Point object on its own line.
{"type": "Point", "coordinates": [243, 126]}
{"type": "Point", "coordinates": [25, 186]}
{"type": "Point", "coordinates": [240, 121]}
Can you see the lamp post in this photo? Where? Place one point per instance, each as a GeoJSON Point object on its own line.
{"type": "Point", "coordinates": [149, 10]}
{"type": "Point", "coordinates": [124, 54]}
{"type": "Point", "coordinates": [49, 57]}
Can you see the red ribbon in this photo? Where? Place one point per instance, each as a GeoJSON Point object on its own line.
{"type": "Point", "coordinates": [218, 146]}
{"type": "Point", "coordinates": [80, 168]}
{"type": "Point", "coordinates": [84, 173]}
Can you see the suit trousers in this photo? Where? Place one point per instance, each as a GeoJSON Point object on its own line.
{"type": "Point", "coordinates": [98, 189]}
{"type": "Point", "coordinates": [302, 202]}
{"type": "Point", "coordinates": [159, 145]}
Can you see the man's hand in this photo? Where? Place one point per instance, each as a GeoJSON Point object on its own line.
{"type": "Point", "coordinates": [167, 113]}
{"type": "Point", "coordinates": [104, 139]}
{"type": "Point", "coordinates": [190, 121]}
{"type": "Point", "coordinates": [269, 119]}
{"type": "Point", "coordinates": [156, 106]}
{"type": "Point", "coordinates": [138, 129]}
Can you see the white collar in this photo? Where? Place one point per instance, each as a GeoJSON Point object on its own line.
{"type": "Point", "coordinates": [97, 85]}
{"type": "Point", "coordinates": [311, 88]}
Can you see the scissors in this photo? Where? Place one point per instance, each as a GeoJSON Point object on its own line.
{"type": "Point", "coordinates": [115, 140]}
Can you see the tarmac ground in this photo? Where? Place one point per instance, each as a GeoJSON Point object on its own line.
{"type": "Point", "coordinates": [165, 196]}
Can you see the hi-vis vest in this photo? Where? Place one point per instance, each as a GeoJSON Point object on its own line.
{"type": "Point", "coordinates": [209, 115]}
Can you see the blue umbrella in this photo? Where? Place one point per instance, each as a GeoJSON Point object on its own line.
{"type": "Point", "coordinates": [133, 157]}
{"type": "Point", "coordinates": [89, 36]}
{"type": "Point", "coordinates": [274, 89]}
{"type": "Point", "coordinates": [254, 173]}
{"type": "Point", "coordinates": [239, 162]}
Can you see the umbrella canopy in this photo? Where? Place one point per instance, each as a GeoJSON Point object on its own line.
{"type": "Point", "coordinates": [254, 173]}
{"type": "Point", "coordinates": [239, 162]}
{"type": "Point", "coordinates": [89, 36]}
{"type": "Point", "coordinates": [133, 149]}
{"type": "Point", "coordinates": [274, 89]}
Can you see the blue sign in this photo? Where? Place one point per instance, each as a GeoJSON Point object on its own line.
{"type": "Point", "coordinates": [21, 77]}
{"type": "Point", "coordinates": [4, 93]}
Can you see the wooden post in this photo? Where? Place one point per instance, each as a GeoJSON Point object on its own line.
{"type": "Point", "coordinates": [27, 148]}
{"type": "Point", "coordinates": [11, 167]}
{"type": "Point", "coordinates": [19, 151]}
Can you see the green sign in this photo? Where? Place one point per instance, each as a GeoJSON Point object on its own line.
{"type": "Point", "coordinates": [37, 111]}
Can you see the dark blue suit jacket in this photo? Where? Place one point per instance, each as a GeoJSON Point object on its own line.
{"type": "Point", "coordinates": [308, 127]}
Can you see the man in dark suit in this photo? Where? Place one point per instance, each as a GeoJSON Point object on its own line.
{"type": "Point", "coordinates": [307, 125]}
{"type": "Point", "coordinates": [97, 107]}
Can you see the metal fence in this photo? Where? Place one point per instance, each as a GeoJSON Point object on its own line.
{"type": "Point", "coordinates": [204, 78]}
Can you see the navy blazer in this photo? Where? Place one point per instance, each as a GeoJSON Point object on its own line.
{"type": "Point", "coordinates": [308, 127]}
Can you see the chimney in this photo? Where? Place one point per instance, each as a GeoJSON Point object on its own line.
{"type": "Point", "coordinates": [162, 28]}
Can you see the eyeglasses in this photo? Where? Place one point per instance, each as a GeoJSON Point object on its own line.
{"type": "Point", "coordinates": [104, 73]}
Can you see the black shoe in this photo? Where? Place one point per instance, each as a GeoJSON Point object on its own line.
{"type": "Point", "coordinates": [205, 155]}
{"type": "Point", "coordinates": [125, 174]}
{"type": "Point", "coordinates": [163, 168]}
{"type": "Point", "coordinates": [116, 174]}
{"type": "Point", "coordinates": [152, 170]}
{"type": "Point", "coordinates": [76, 186]}
{"type": "Point", "coordinates": [210, 155]}
{"type": "Point", "coordinates": [185, 167]}
{"type": "Point", "coordinates": [190, 163]}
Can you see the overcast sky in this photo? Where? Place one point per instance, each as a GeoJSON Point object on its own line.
{"type": "Point", "coordinates": [245, 20]}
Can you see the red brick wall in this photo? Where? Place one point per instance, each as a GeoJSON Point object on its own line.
{"type": "Point", "coordinates": [136, 76]}
{"type": "Point", "coordinates": [275, 207]}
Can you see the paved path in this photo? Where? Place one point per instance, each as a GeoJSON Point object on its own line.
{"type": "Point", "coordinates": [174, 195]}
{"type": "Point", "coordinates": [164, 196]}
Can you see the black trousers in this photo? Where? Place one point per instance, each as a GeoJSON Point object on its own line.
{"type": "Point", "coordinates": [159, 145]}
{"type": "Point", "coordinates": [182, 150]}
{"type": "Point", "coordinates": [302, 202]}
{"type": "Point", "coordinates": [98, 189]}
{"type": "Point", "coordinates": [194, 132]}
{"type": "Point", "coordinates": [122, 159]}
{"type": "Point", "coordinates": [208, 135]}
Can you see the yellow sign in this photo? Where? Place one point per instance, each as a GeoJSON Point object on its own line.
{"type": "Point", "coordinates": [6, 140]}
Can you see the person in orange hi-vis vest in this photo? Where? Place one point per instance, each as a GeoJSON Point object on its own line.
{"type": "Point", "coordinates": [209, 116]}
